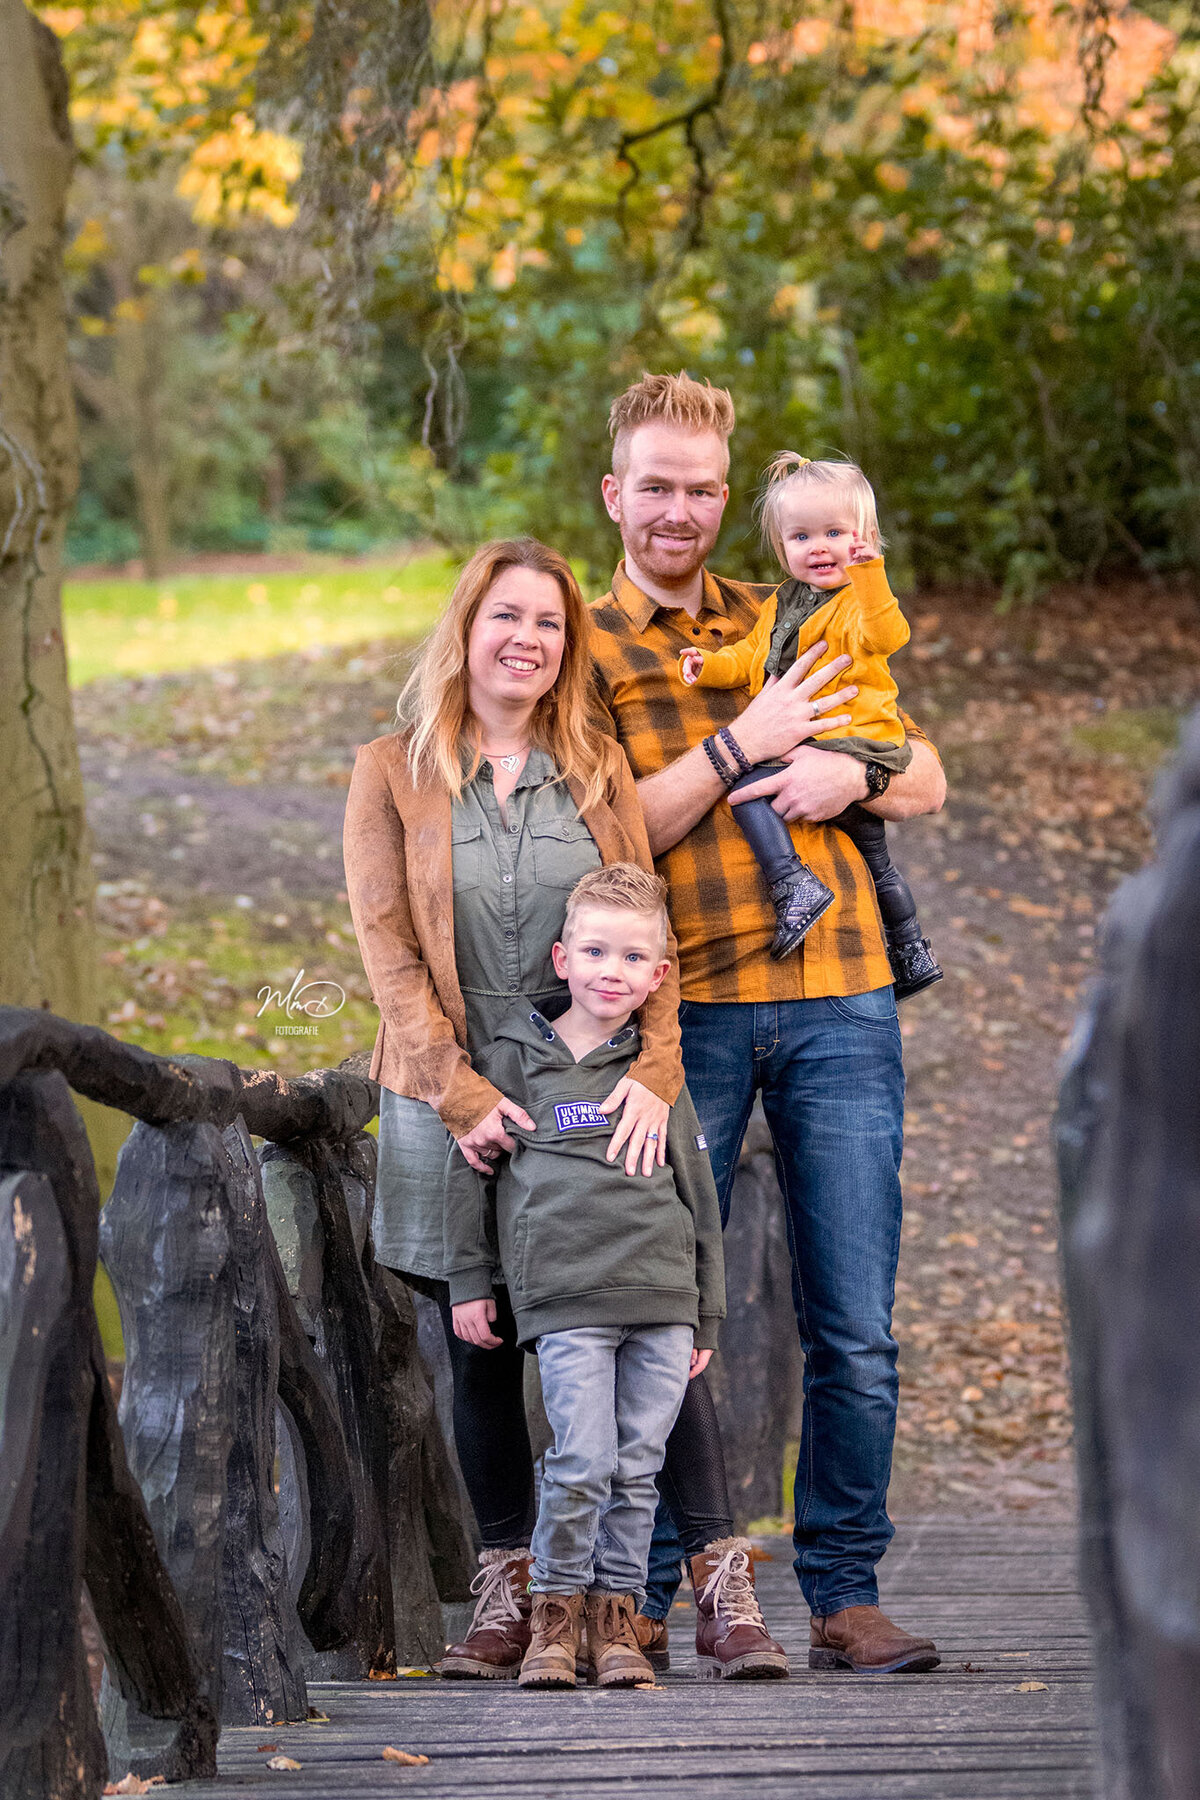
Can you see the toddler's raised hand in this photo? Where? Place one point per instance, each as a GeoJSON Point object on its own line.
{"type": "Point", "coordinates": [690, 664]}
{"type": "Point", "coordinates": [861, 552]}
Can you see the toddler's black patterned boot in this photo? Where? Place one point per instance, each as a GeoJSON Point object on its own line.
{"type": "Point", "coordinates": [914, 966]}
{"type": "Point", "coordinates": [799, 898]}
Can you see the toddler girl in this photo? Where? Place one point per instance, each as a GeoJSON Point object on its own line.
{"type": "Point", "coordinates": [821, 521]}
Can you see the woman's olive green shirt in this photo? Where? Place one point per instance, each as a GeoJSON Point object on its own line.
{"type": "Point", "coordinates": [512, 875]}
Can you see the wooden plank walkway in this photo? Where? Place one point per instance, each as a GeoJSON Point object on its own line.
{"type": "Point", "coordinates": [1000, 1598]}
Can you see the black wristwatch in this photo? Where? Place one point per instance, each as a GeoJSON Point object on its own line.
{"type": "Point", "coordinates": [877, 780]}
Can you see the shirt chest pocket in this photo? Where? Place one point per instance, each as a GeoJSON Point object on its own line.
{"type": "Point", "coordinates": [563, 850]}
{"type": "Point", "coordinates": [466, 852]}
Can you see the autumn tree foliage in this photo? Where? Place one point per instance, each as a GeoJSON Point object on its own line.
{"type": "Point", "coordinates": [955, 239]}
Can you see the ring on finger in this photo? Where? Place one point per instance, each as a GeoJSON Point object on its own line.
{"type": "Point", "coordinates": [652, 1137]}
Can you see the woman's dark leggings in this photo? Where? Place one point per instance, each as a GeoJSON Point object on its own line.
{"type": "Point", "coordinates": [492, 1440]}
{"type": "Point", "coordinates": [490, 1433]}
{"type": "Point", "coordinates": [692, 1480]}
{"type": "Point", "coordinates": [771, 842]}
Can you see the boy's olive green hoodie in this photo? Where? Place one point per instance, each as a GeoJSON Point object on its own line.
{"type": "Point", "coordinates": [578, 1241]}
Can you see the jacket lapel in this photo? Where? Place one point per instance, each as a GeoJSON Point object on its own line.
{"type": "Point", "coordinates": [605, 827]}
{"type": "Point", "coordinates": [426, 816]}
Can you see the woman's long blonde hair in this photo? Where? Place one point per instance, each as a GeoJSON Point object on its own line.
{"type": "Point", "coordinates": [434, 702]}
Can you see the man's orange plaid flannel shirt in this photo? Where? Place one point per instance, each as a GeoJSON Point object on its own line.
{"type": "Point", "coordinates": [720, 909]}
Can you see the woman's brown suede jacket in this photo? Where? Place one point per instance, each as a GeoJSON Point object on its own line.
{"type": "Point", "coordinates": [400, 883]}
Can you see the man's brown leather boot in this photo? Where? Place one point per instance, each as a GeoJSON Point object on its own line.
{"type": "Point", "coordinates": [865, 1640]}
{"type": "Point", "coordinates": [732, 1640]}
{"type": "Point", "coordinates": [499, 1634]}
{"type": "Point", "coordinates": [554, 1630]}
{"type": "Point", "coordinates": [614, 1657]}
{"type": "Point", "coordinates": [653, 1641]}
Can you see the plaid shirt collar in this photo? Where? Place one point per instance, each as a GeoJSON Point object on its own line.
{"type": "Point", "coordinates": [639, 608]}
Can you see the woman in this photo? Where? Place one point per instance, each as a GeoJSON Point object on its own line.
{"type": "Point", "coordinates": [465, 832]}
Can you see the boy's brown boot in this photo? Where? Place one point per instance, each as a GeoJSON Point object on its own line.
{"type": "Point", "coordinates": [732, 1640]}
{"type": "Point", "coordinates": [553, 1641]}
{"type": "Point", "coordinates": [614, 1659]}
{"type": "Point", "coordinates": [653, 1641]}
{"type": "Point", "coordinates": [499, 1634]}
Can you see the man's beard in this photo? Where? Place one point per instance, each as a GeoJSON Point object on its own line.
{"type": "Point", "coordinates": [665, 568]}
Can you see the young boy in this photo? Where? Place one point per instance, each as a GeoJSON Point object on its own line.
{"type": "Point", "coordinates": [821, 520]}
{"type": "Point", "coordinates": [618, 1279]}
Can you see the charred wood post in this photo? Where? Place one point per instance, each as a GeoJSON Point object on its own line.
{"type": "Point", "coordinates": [756, 1379]}
{"type": "Point", "coordinates": [215, 1347]}
{"type": "Point", "coordinates": [409, 1544]}
{"type": "Point", "coordinates": [1129, 1153]}
{"type": "Point", "coordinates": [86, 1518]}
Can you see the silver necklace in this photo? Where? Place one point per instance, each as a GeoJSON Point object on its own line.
{"type": "Point", "coordinates": [510, 762]}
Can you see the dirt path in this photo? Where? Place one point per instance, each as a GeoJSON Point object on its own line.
{"type": "Point", "coordinates": [230, 783]}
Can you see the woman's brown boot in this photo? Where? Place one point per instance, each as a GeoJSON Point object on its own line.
{"type": "Point", "coordinates": [499, 1634]}
{"type": "Point", "coordinates": [614, 1658]}
{"type": "Point", "coordinates": [732, 1640]}
{"type": "Point", "coordinates": [553, 1641]}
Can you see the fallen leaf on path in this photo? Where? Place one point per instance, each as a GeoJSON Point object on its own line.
{"type": "Point", "coordinates": [409, 1761]}
{"type": "Point", "coordinates": [1031, 1687]}
{"type": "Point", "coordinates": [381, 1675]}
{"type": "Point", "coordinates": [267, 1747]}
{"type": "Point", "coordinates": [283, 1763]}
{"type": "Point", "coordinates": [313, 1717]}
{"type": "Point", "coordinates": [133, 1784]}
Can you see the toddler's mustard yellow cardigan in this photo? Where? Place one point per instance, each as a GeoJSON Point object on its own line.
{"type": "Point", "coordinates": [862, 621]}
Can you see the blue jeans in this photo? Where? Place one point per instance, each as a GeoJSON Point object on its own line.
{"type": "Point", "coordinates": [611, 1393]}
{"type": "Point", "coordinates": [832, 1084]}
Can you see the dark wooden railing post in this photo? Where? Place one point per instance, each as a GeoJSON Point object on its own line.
{"type": "Point", "coordinates": [221, 1344]}
{"type": "Point", "coordinates": [166, 1241]}
{"type": "Point", "coordinates": [409, 1544]}
{"type": "Point", "coordinates": [756, 1378]}
{"type": "Point", "coordinates": [1129, 1155]}
{"type": "Point", "coordinates": [86, 1516]}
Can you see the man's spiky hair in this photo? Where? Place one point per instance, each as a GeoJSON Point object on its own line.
{"type": "Point", "coordinates": [694, 406]}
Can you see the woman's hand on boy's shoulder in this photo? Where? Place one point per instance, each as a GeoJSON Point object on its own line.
{"type": "Point", "coordinates": [642, 1128]}
{"type": "Point", "coordinates": [473, 1321]}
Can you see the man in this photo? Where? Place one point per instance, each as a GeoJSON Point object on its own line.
{"type": "Point", "coordinates": [815, 1034]}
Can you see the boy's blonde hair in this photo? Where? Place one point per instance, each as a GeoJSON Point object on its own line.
{"type": "Point", "coordinates": [695, 406]}
{"type": "Point", "coordinates": [623, 887]}
{"type": "Point", "coordinates": [790, 473]}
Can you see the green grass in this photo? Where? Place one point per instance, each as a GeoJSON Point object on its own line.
{"type": "Point", "coordinates": [190, 978]}
{"type": "Point", "coordinates": [1139, 737]}
{"type": "Point", "coordinates": [119, 627]}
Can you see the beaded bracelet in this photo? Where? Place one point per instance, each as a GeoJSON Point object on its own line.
{"type": "Point", "coordinates": [735, 749]}
{"type": "Point", "coordinates": [726, 775]}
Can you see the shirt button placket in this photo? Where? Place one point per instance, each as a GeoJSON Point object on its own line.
{"type": "Point", "coordinates": [508, 908]}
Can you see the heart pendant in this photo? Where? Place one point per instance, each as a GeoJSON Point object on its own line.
{"type": "Point", "coordinates": [510, 762]}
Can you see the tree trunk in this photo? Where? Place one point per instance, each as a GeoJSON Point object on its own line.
{"type": "Point", "coordinates": [46, 943]}
{"type": "Point", "coordinates": [140, 373]}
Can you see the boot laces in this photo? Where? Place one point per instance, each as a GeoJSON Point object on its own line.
{"type": "Point", "coordinates": [614, 1623]}
{"type": "Point", "coordinates": [497, 1602]}
{"type": "Point", "coordinates": [731, 1590]}
{"type": "Point", "coordinates": [555, 1622]}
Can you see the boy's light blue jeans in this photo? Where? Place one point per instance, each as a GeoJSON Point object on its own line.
{"type": "Point", "coordinates": [611, 1393]}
